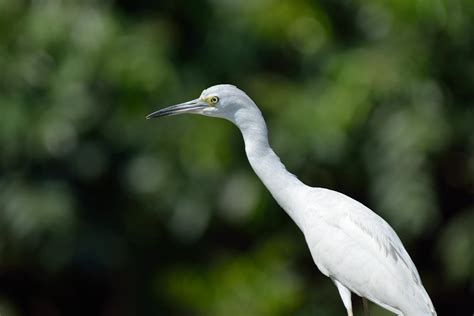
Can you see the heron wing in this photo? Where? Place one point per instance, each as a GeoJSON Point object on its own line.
{"type": "Point", "coordinates": [355, 246]}
{"type": "Point", "coordinates": [371, 231]}
{"type": "Point", "coordinates": [367, 230]}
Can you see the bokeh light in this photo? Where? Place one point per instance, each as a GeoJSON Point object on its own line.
{"type": "Point", "coordinates": [103, 212]}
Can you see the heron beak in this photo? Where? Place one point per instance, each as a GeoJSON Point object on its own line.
{"type": "Point", "coordinates": [194, 106]}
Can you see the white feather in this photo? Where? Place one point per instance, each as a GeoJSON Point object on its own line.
{"type": "Point", "coordinates": [349, 243]}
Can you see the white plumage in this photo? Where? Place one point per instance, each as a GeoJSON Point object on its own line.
{"type": "Point", "coordinates": [349, 243]}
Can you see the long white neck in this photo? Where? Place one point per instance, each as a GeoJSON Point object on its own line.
{"type": "Point", "coordinates": [284, 186]}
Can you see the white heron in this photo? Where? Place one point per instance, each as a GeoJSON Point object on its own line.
{"type": "Point", "coordinates": [349, 243]}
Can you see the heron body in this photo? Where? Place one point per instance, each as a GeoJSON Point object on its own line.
{"type": "Point", "coordinates": [349, 243]}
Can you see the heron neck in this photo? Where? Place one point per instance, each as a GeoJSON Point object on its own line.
{"type": "Point", "coordinates": [284, 186]}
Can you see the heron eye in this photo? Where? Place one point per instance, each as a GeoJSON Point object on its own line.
{"type": "Point", "coordinates": [214, 100]}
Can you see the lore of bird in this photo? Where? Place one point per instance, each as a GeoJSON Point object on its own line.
{"type": "Point", "coordinates": [349, 243]}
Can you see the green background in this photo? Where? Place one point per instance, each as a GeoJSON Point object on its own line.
{"type": "Point", "coordinates": [105, 213]}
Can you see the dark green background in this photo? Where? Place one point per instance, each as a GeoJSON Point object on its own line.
{"type": "Point", "coordinates": [105, 213]}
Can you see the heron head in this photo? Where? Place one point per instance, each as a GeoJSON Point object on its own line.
{"type": "Point", "coordinates": [222, 101]}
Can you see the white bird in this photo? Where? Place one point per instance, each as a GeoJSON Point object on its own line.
{"type": "Point", "coordinates": [349, 243]}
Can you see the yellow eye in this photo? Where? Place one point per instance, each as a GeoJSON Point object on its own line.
{"type": "Point", "coordinates": [214, 100]}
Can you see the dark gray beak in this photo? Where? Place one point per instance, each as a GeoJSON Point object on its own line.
{"type": "Point", "coordinates": [194, 106]}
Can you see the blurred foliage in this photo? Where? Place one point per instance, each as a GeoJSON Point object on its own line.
{"type": "Point", "coordinates": [232, 285]}
{"type": "Point", "coordinates": [102, 212]}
